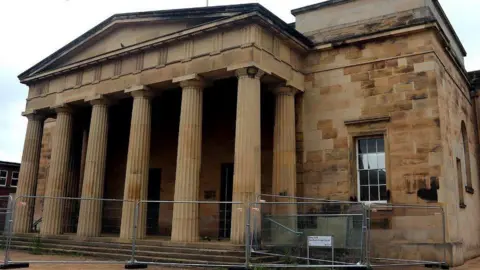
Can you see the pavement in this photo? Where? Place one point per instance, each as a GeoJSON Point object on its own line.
{"type": "Point", "coordinates": [18, 256]}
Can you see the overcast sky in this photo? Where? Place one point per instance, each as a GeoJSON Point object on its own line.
{"type": "Point", "coordinates": [30, 30]}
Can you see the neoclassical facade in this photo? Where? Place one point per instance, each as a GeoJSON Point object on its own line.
{"type": "Point", "coordinates": [225, 103]}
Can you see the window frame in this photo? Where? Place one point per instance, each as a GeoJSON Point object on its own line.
{"type": "Point", "coordinates": [6, 178]}
{"type": "Point", "coordinates": [11, 178]}
{"type": "Point", "coordinates": [356, 141]}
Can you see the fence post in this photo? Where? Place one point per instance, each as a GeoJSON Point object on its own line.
{"type": "Point", "coordinates": [247, 237]}
{"type": "Point", "coordinates": [10, 208]}
{"type": "Point", "coordinates": [134, 235]}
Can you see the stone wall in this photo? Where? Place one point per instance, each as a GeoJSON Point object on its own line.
{"type": "Point", "coordinates": [375, 88]}
{"type": "Point", "coordinates": [455, 107]}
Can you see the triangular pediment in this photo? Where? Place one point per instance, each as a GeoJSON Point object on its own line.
{"type": "Point", "coordinates": [120, 36]}
{"type": "Point", "coordinates": [124, 33]}
{"type": "Point", "coordinates": [125, 30]}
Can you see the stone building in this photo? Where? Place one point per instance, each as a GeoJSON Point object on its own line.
{"type": "Point", "coordinates": [165, 105]}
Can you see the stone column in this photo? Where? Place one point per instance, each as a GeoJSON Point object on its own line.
{"type": "Point", "coordinates": [27, 183]}
{"type": "Point", "coordinates": [247, 164]}
{"type": "Point", "coordinates": [90, 218]}
{"type": "Point", "coordinates": [53, 209]}
{"type": "Point", "coordinates": [284, 162]}
{"type": "Point", "coordinates": [187, 181]}
{"type": "Point", "coordinates": [136, 178]}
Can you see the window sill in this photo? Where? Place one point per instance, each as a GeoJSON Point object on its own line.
{"type": "Point", "coordinates": [463, 206]}
{"type": "Point", "coordinates": [469, 190]}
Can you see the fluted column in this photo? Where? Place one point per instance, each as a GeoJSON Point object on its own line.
{"type": "Point", "coordinates": [187, 180]}
{"type": "Point", "coordinates": [90, 218]}
{"type": "Point", "coordinates": [284, 161]}
{"type": "Point", "coordinates": [247, 164]}
{"type": "Point", "coordinates": [136, 179]}
{"type": "Point", "coordinates": [28, 174]}
{"type": "Point", "coordinates": [53, 209]}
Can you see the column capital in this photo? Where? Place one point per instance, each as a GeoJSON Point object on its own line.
{"type": "Point", "coordinates": [283, 89]}
{"type": "Point", "coordinates": [33, 115]}
{"type": "Point", "coordinates": [62, 108]}
{"type": "Point", "coordinates": [252, 72]}
{"type": "Point", "coordinates": [191, 80]}
{"type": "Point", "coordinates": [139, 91]}
{"type": "Point", "coordinates": [98, 100]}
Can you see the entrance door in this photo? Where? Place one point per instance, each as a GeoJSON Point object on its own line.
{"type": "Point", "coordinates": [153, 209]}
{"type": "Point", "coordinates": [226, 186]}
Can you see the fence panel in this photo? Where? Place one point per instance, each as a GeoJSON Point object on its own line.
{"type": "Point", "coordinates": [92, 248]}
{"type": "Point", "coordinates": [406, 235]}
{"type": "Point", "coordinates": [204, 241]}
{"type": "Point", "coordinates": [308, 233]}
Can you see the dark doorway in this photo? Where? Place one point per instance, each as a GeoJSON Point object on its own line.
{"type": "Point", "coordinates": [153, 209]}
{"type": "Point", "coordinates": [226, 186]}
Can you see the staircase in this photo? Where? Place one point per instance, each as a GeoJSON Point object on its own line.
{"type": "Point", "coordinates": [205, 253]}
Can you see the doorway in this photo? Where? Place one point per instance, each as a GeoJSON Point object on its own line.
{"type": "Point", "coordinates": [226, 189]}
{"type": "Point", "coordinates": [153, 209]}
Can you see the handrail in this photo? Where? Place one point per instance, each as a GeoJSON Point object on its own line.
{"type": "Point", "coordinates": [284, 227]}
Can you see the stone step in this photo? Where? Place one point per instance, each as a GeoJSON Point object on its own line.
{"type": "Point", "coordinates": [151, 253]}
{"type": "Point", "coordinates": [129, 246]}
{"type": "Point", "coordinates": [124, 257]}
{"type": "Point", "coordinates": [219, 245]}
{"type": "Point", "coordinates": [139, 252]}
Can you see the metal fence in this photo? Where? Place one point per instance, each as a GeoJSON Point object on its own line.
{"type": "Point", "coordinates": [65, 241]}
{"type": "Point", "coordinates": [208, 233]}
{"type": "Point", "coordinates": [406, 235]}
{"type": "Point", "coordinates": [279, 231]}
{"type": "Point", "coordinates": [308, 234]}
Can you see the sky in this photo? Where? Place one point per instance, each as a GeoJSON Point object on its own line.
{"type": "Point", "coordinates": [30, 30]}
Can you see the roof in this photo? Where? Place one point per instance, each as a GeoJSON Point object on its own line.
{"type": "Point", "coordinates": [8, 163]}
{"type": "Point", "coordinates": [474, 77]}
{"type": "Point", "coordinates": [329, 3]}
{"type": "Point", "coordinates": [324, 4]}
{"type": "Point", "coordinates": [201, 12]}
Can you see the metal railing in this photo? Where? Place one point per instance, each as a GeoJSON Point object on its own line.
{"type": "Point", "coordinates": [283, 232]}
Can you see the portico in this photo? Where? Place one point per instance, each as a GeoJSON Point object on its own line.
{"type": "Point", "coordinates": [184, 105]}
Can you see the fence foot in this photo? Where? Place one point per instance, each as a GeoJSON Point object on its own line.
{"type": "Point", "coordinates": [441, 266]}
{"type": "Point", "coordinates": [136, 265]}
{"type": "Point", "coordinates": [14, 265]}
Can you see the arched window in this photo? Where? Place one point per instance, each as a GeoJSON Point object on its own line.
{"type": "Point", "coordinates": [466, 153]}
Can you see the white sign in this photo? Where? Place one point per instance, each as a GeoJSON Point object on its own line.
{"type": "Point", "coordinates": [320, 241]}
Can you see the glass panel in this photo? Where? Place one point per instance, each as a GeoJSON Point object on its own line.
{"type": "Point", "coordinates": [14, 182]}
{"type": "Point", "coordinates": [371, 148]}
{"type": "Point", "coordinates": [373, 177]}
{"type": "Point", "coordinates": [363, 177]}
{"type": "Point", "coordinates": [3, 173]}
{"type": "Point", "coordinates": [382, 177]}
{"type": "Point", "coordinates": [381, 161]}
{"type": "Point", "coordinates": [3, 181]}
{"type": "Point", "coordinates": [380, 145]}
{"type": "Point", "coordinates": [364, 193]}
{"type": "Point", "coordinates": [15, 175]}
{"type": "Point", "coordinates": [362, 162]}
{"type": "Point", "coordinates": [372, 161]}
{"type": "Point", "coordinates": [374, 193]}
{"type": "Point", "coordinates": [362, 146]}
{"type": "Point", "coordinates": [383, 193]}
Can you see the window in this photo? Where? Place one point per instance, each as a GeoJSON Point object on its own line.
{"type": "Point", "coordinates": [466, 153]}
{"type": "Point", "coordinates": [371, 172]}
{"type": "Point", "coordinates": [14, 182]}
{"type": "Point", "coordinates": [3, 177]}
{"type": "Point", "coordinates": [461, 200]}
